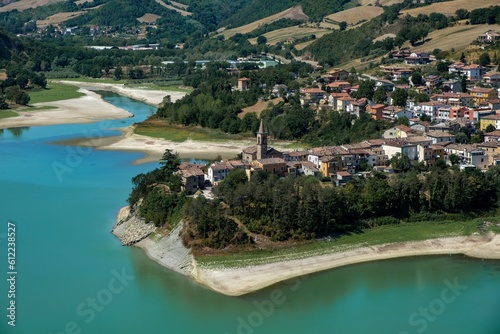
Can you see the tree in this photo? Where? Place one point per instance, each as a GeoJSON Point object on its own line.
{"type": "Point", "coordinates": [490, 128]}
{"type": "Point", "coordinates": [454, 159]}
{"type": "Point", "coordinates": [3, 104]}
{"type": "Point", "coordinates": [416, 78]}
{"type": "Point", "coordinates": [462, 58]}
{"type": "Point", "coordinates": [366, 89]}
{"type": "Point", "coordinates": [462, 14]}
{"type": "Point", "coordinates": [403, 120]}
{"type": "Point", "coordinates": [16, 95]}
{"type": "Point", "coordinates": [380, 95]}
{"type": "Point", "coordinates": [261, 40]}
{"type": "Point", "coordinates": [484, 59]}
{"type": "Point", "coordinates": [343, 25]}
{"type": "Point", "coordinates": [401, 162]}
{"type": "Point", "coordinates": [463, 83]}
{"type": "Point", "coordinates": [399, 97]}
{"type": "Point", "coordinates": [118, 73]}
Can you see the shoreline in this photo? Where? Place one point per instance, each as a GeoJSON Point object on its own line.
{"type": "Point", "coordinates": [244, 280]}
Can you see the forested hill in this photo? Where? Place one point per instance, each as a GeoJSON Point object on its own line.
{"type": "Point", "coordinates": [7, 45]}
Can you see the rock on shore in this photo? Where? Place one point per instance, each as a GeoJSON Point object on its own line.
{"type": "Point", "coordinates": [130, 228]}
{"type": "Point", "coordinates": [168, 251]}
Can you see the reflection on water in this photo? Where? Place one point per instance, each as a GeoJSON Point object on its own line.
{"type": "Point", "coordinates": [16, 132]}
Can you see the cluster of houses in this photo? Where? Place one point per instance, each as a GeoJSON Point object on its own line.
{"type": "Point", "coordinates": [478, 104]}
{"type": "Point", "coordinates": [420, 141]}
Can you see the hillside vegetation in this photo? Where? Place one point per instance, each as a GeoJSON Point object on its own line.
{"type": "Point", "coordinates": [449, 8]}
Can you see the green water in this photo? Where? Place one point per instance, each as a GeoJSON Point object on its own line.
{"type": "Point", "coordinates": [74, 277]}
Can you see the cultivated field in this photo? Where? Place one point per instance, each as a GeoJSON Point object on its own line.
{"type": "Point", "coordinates": [259, 107]}
{"type": "Point", "coordinates": [291, 13]}
{"type": "Point", "coordinates": [450, 7]}
{"type": "Point", "coordinates": [303, 45]}
{"type": "Point", "coordinates": [454, 37]}
{"type": "Point", "coordinates": [354, 15]}
{"type": "Point", "coordinates": [79, 2]}
{"type": "Point", "coordinates": [281, 35]}
{"type": "Point", "coordinates": [180, 5]}
{"type": "Point", "coordinates": [181, 11]}
{"type": "Point", "coordinates": [148, 18]}
{"type": "Point", "coordinates": [381, 2]}
{"type": "Point", "coordinates": [58, 18]}
{"type": "Point", "coordinates": [26, 4]}
{"type": "Point", "coordinates": [384, 36]}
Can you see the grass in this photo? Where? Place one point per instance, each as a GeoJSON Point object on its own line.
{"type": "Point", "coordinates": [54, 92]}
{"type": "Point", "coordinates": [384, 234]}
{"type": "Point", "coordinates": [354, 15]}
{"type": "Point", "coordinates": [281, 35]}
{"type": "Point", "coordinates": [7, 114]}
{"type": "Point", "coordinates": [159, 129]}
{"type": "Point", "coordinates": [94, 80]}
{"type": "Point", "coordinates": [152, 86]}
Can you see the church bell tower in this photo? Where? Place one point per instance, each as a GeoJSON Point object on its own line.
{"type": "Point", "coordinates": [261, 142]}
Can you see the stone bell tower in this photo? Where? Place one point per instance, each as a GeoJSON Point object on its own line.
{"type": "Point", "coordinates": [261, 142]}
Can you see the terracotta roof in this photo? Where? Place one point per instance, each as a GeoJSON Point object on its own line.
{"type": "Point", "coordinates": [404, 128]}
{"type": "Point", "coordinates": [482, 90]}
{"type": "Point", "coordinates": [250, 150]}
{"type": "Point", "coordinates": [271, 161]}
{"type": "Point", "coordinates": [439, 134]}
{"type": "Point", "coordinates": [495, 133]}
{"type": "Point", "coordinates": [312, 90]}
{"type": "Point", "coordinates": [344, 174]}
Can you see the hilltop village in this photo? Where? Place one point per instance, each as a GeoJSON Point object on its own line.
{"type": "Point", "coordinates": [426, 132]}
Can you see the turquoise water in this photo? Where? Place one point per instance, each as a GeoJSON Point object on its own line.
{"type": "Point", "coordinates": [74, 277]}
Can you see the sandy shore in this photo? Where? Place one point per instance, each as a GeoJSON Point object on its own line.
{"type": "Point", "coordinates": [154, 147]}
{"type": "Point", "coordinates": [86, 109]}
{"type": "Point", "coordinates": [240, 281]}
{"type": "Point", "coordinates": [152, 97]}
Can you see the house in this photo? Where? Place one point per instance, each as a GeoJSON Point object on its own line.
{"type": "Point", "coordinates": [429, 154]}
{"type": "Point", "coordinates": [275, 166]}
{"type": "Point", "coordinates": [193, 177]}
{"type": "Point", "coordinates": [342, 178]}
{"type": "Point", "coordinates": [402, 74]}
{"type": "Point", "coordinates": [492, 78]}
{"type": "Point", "coordinates": [480, 94]}
{"type": "Point", "coordinates": [339, 86]}
{"type": "Point", "coordinates": [398, 131]}
{"type": "Point", "coordinates": [433, 81]}
{"type": "Point", "coordinates": [218, 171]}
{"type": "Point", "coordinates": [452, 85]}
{"type": "Point", "coordinates": [308, 168]}
{"type": "Point", "coordinates": [333, 100]}
{"type": "Point", "coordinates": [468, 155]}
{"type": "Point", "coordinates": [311, 95]}
{"type": "Point", "coordinates": [494, 104]}
{"type": "Point", "coordinates": [243, 84]}
{"type": "Point", "coordinates": [489, 36]}
{"type": "Point", "coordinates": [330, 164]}
{"type": "Point", "coordinates": [473, 71]}
{"type": "Point", "coordinates": [417, 58]}
{"type": "Point", "coordinates": [456, 68]}
{"type": "Point", "coordinates": [388, 85]}
{"type": "Point", "coordinates": [454, 99]}
{"type": "Point", "coordinates": [393, 113]}
{"type": "Point", "coordinates": [493, 120]}
{"type": "Point", "coordinates": [294, 156]}
{"type": "Point", "coordinates": [430, 108]}
{"type": "Point", "coordinates": [344, 102]}
{"type": "Point", "coordinates": [401, 146]}
{"type": "Point", "coordinates": [279, 90]}
{"type": "Point", "coordinates": [491, 149]}
{"type": "Point", "coordinates": [338, 74]}
{"type": "Point", "coordinates": [375, 110]}
{"type": "Point", "coordinates": [492, 136]}
{"type": "Point", "coordinates": [440, 137]}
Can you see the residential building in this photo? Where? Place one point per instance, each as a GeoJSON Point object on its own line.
{"type": "Point", "coordinates": [473, 72]}
{"type": "Point", "coordinates": [401, 146]}
{"type": "Point", "coordinates": [493, 120]}
{"type": "Point", "coordinates": [492, 78]}
{"type": "Point", "coordinates": [330, 164]}
{"type": "Point", "coordinates": [417, 58]}
{"type": "Point", "coordinates": [480, 94]}
{"type": "Point", "coordinates": [452, 86]}
{"type": "Point", "coordinates": [311, 95]}
{"type": "Point", "coordinates": [440, 137]}
{"type": "Point", "coordinates": [492, 136]}
{"type": "Point", "coordinates": [388, 85]}
{"type": "Point", "coordinates": [342, 178]}
{"type": "Point", "coordinates": [339, 86]}
{"type": "Point", "coordinates": [338, 74]}
{"type": "Point", "coordinates": [398, 131]}
{"type": "Point", "coordinates": [454, 99]}
{"type": "Point", "coordinates": [375, 110]}
{"type": "Point", "coordinates": [490, 36]}
{"type": "Point", "coordinates": [276, 166]}
{"type": "Point", "coordinates": [468, 155]}
{"type": "Point", "coordinates": [456, 68]}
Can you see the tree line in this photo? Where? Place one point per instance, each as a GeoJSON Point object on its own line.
{"type": "Point", "coordinates": [300, 208]}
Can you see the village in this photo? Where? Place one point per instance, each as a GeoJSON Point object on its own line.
{"type": "Point", "coordinates": [468, 99]}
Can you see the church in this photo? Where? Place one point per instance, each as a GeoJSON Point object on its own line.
{"type": "Point", "coordinates": [260, 151]}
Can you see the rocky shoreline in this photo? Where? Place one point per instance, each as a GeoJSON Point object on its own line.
{"type": "Point", "coordinates": [167, 250]}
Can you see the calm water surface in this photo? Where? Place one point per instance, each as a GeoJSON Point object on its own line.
{"type": "Point", "coordinates": [74, 277]}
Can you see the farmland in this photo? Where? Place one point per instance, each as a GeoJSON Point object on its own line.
{"type": "Point", "coordinates": [450, 7]}
{"type": "Point", "coordinates": [291, 13]}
